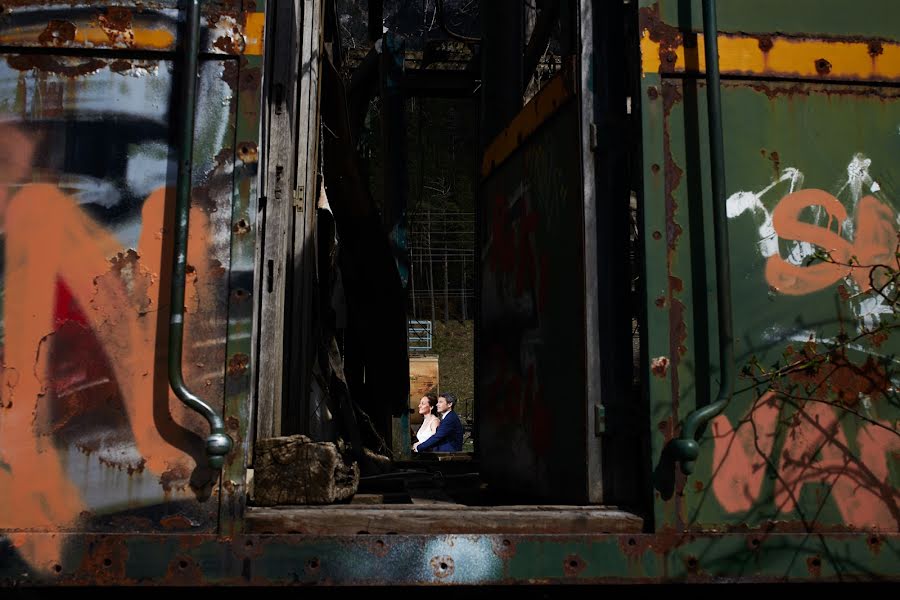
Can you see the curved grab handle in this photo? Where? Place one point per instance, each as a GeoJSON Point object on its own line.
{"type": "Point", "coordinates": [218, 444]}
{"type": "Point", "coordinates": [686, 448]}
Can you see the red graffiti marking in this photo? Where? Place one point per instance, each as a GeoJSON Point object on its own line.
{"type": "Point", "coordinates": [62, 268]}
{"type": "Point", "coordinates": [815, 450]}
{"type": "Point", "coordinates": [875, 242]}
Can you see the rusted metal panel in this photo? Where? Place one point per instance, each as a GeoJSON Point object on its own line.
{"type": "Point", "coordinates": [749, 45]}
{"type": "Point", "coordinates": [238, 409]}
{"type": "Point", "coordinates": [810, 440]}
{"type": "Point", "coordinates": [90, 436]}
{"type": "Point", "coordinates": [532, 334]}
{"type": "Point", "coordinates": [226, 27]}
{"type": "Point", "coordinates": [375, 560]}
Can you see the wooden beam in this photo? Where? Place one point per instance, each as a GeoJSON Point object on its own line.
{"type": "Point", "coordinates": [353, 519]}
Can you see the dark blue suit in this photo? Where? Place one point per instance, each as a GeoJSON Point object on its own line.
{"type": "Point", "coordinates": [447, 438]}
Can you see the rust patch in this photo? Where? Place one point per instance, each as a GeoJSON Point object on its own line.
{"type": "Point", "coordinates": [698, 485]}
{"type": "Point", "coordinates": [240, 228]}
{"type": "Point", "coordinates": [120, 66]}
{"type": "Point", "coordinates": [176, 477]}
{"type": "Point", "coordinates": [765, 42]}
{"type": "Point", "coordinates": [380, 549]}
{"type": "Point", "coordinates": [823, 67]}
{"type": "Point", "coordinates": [116, 23]}
{"type": "Point", "coordinates": [672, 179]}
{"type": "Point", "coordinates": [660, 302]}
{"type": "Point", "coordinates": [775, 90]}
{"type": "Point", "coordinates": [176, 522]}
{"type": "Point", "coordinates": [814, 565]}
{"type": "Point", "coordinates": [251, 78]}
{"type": "Point", "coordinates": [692, 564]}
{"type": "Point", "coordinates": [659, 366]}
{"type": "Point", "coordinates": [573, 565]}
{"type": "Point", "coordinates": [669, 538]}
{"type": "Point", "coordinates": [442, 566]}
{"type": "Point", "coordinates": [839, 377]}
{"type": "Point", "coordinates": [754, 542]}
{"type": "Point", "coordinates": [237, 365]}
{"type": "Point", "coordinates": [668, 37]}
{"type": "Point", "coordinates": [312, 566]}
{"type": "Point", "coordinates": [226, 45]}
{"type": "Point", "coordinates": [874, 544]}
{"type": "Point", "coordinates": [57, 33]}
{"type": "Point", "coordinates": [776, 161]}
{"type": "Point", "coordinates": [657, 235]}
{"type": "Point", "coordinates": [68, 67]}
{"type": "Point", "coordinates": [184, 570]}
{"type": "Point", "coordinates": [248, 153]}
{"type": "Point", "coordinates": [878, 338]}
{"type": "Point", "coordinates": [876, 48]}
{"type": "Point", "coordinates": [105, 561]}
{"type": "Point", "coordinates": [504, 548]}
{"type": "Point", "coordinates": [635, 546]}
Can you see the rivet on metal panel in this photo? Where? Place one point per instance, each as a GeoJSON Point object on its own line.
{"type": "Point", "coordinates": [655, 168]}
{"type": "Point", "coordinates": [692, 564]}
{"type": "Point", "coordinates": [657, 235]}
{"type": "Point", "coordinates": [652, 92]}
{"type": "Point", "coordinates": [814, 565]}
{"type": "Point", "coordinates": [573, 565]}
{"type": "Point", "coordinates": [241, 227]}
{"type": "Point", "coordinates": [823, 67]}
{"type": "Point", "coordinates": [442, 566]}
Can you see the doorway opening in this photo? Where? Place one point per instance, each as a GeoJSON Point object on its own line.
{"type": "Point", "coordinates": [449, 246]}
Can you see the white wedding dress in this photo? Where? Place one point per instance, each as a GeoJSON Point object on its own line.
{"type": "Point", "coordinates": [429, 426]}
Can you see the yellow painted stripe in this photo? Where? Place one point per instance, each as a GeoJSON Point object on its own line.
{"type": "Point", "coordinates": [254, 30]}
{"type": "Point", "coordinates": [144, 38]}
{"type": "Point", "coordinates": [544, 104]}
{"type": "Point", "coordinates": [787, 57]}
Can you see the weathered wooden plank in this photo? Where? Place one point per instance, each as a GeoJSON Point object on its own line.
{"type": "Point", "coordinates": [304, 221]}
{"type": "Point", "coordinates": [450, 519]}
{"type": "Point", "coordinates": [276, 218]}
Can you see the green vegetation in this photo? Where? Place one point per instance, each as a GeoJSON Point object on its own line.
{"type": "Point", "coordinates": [454, 343]}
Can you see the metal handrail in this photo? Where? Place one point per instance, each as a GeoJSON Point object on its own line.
{"type": "Point", "coordinates": [218, 444]}
{"type": "Point", "coordinates": [686, 447]}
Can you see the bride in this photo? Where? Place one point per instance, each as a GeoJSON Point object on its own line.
{"type": "Point", "coordinates": [428, 409]}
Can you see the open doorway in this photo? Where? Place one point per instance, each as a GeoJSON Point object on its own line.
{"type": "Point", "coordinates": [450, 246]}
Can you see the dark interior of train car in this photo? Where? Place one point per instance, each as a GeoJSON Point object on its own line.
{"type": "Point", "coordinates": [452, 254]}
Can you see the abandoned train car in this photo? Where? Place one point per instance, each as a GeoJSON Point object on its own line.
{"type": "Point", "coordinates": [685, 289]}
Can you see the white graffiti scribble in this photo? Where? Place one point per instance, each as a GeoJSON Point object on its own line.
{"type": "Point", "coordinates": [867, 308]}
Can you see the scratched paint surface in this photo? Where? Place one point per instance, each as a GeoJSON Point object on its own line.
{"type": "Point", "coordinates": [226, 27]}
{"type": "Point", "coordinates": [531, 435]}
{"type": "Point", "coordinates": [90, 436]}
{"type": "Point", "coordinates": [807, 166]}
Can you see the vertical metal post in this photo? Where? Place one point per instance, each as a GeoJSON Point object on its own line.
{"type": "Point", "coordinates": [686, 447]}
{"type": "Point", "coordinates": [218, 444]}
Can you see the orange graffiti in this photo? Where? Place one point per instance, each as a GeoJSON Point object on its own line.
{"type": "Point", "coordinates": [815, 450]}
{"type": "Point", "coordinates": [875, 242]}
{"type": "Point", "coordinates": [52, 248]}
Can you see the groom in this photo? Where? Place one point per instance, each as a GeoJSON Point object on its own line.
{"type": "Point", "coordinates": [449, 434]}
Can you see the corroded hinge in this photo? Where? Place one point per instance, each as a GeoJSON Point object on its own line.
{"type": "Point", "coordinates": [298, 199]}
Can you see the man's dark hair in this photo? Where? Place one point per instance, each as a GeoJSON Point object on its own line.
{"type": "Point", "coordinates": [450, 398]}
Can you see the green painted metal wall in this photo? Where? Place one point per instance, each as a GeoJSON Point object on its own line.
{"type": "Point", "coordinates": [810, 440]}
